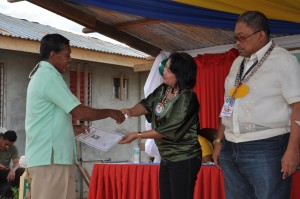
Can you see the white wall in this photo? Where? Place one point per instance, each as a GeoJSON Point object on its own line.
{"type": "Point", "coordinates": [17, 66]}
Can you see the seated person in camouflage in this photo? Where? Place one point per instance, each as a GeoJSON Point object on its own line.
{"type": "Point", "coordinates": [9, 177]}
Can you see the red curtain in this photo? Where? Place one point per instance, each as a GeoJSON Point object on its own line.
{"type": "Point", "coordinates": [211, 74]}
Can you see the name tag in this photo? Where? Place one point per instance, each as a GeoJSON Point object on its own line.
{"type": "Point", "coordinates": [227, 108]}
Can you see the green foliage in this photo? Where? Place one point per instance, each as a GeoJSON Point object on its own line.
{"type": "Point", "coordinates": [15, 191]}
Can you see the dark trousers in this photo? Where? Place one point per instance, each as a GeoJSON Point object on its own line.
{"type": "Point", "coordinates": [5, 187]}
{"type": "Point", "coordinates": [252, 170]}
{"type": "Point", "coordinates": [177, 179]}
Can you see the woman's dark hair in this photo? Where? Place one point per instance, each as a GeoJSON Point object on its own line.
{"type": "Point", "coordinates": [52, 42]}
{"type": "Point", "coordinates": [255, 20]}
{"type": "Point", "coordinates": [185, 69]}
{"type": "Point", "coordinates": [10, 136]}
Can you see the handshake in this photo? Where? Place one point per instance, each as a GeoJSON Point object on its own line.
{"type": "Point", "coordinates": [120, 115]}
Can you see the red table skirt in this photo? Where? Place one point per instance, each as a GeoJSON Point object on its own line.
{"type": "Point", "coordinates": [140, 181]}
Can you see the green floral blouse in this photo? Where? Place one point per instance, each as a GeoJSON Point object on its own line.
{"type": "Point", "coordinates": [178, 122]}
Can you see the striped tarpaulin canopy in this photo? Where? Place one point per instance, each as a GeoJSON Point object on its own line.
{"type": "Point", "coordinates": [284, 15]}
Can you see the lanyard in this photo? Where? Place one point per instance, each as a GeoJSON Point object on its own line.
{"type": "Point", "coordinates": [252, 69]}
{"type": "Point", "coordinates": [248, 71]}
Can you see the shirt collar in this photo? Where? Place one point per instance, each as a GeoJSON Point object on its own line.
{"type": "Point", "coordinates": [50, 66]}
{"type": "Point", "coordinates": [261, 52]}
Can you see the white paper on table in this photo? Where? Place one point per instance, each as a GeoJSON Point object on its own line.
{"type": "Point", "coordinates": [99, 138]}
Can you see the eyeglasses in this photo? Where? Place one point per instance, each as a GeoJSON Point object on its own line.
{"type": "Point", "coordinates": [244, 38]}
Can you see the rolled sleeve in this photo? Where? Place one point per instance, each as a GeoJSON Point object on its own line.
{"type": "Point", "coordinates": [290, 80]}
{"type": "Point", "coordinates": [58, 93]}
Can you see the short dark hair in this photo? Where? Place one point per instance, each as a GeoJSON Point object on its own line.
{"type": "Point", "coordinates": [10, 136]}
{"type": "Point", "coordinates": [255, 20]}
{"type": "Point", "coordinates": [52, 42]}
{"type": "Point", "coordinates": [184, 67]}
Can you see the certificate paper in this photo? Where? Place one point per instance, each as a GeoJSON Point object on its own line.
{"type": "Point", "coordinates": [99, 139]}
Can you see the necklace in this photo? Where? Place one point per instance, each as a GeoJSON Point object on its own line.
{"type": "Point", "coordinates": [34, 70]}
{"type": "Point", "coordinates": [159, 108]}
{"type": "Point", "coordinates": [259, 64]}
{"type": "Point", "coordinates": [240, 88]}
{"type": "Point", "coordinates": [165, 99]}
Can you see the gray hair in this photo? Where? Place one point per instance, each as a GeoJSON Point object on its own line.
{"type": "Point", "coordinates": [255, 20]}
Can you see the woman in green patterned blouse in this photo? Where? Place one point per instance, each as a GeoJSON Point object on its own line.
{"type": "Point", "coordinates": [173, 109]}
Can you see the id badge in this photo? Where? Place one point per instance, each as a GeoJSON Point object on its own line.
{"type": "Point", "coordinates": [227, 108]}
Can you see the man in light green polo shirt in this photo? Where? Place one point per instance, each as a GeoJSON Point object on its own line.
{"type": "Point", "coordinates": [50, 141]}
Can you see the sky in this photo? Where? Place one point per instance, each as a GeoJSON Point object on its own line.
{"type": "Point", "coordinates": [37, 14]}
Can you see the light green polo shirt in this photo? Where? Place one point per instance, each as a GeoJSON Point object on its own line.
{"type": "Point", "coordinates": [48, 122]}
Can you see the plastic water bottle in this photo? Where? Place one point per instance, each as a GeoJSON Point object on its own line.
{"type": "Point", "coordinates": [136, 154]}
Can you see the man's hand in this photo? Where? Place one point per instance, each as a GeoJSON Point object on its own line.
{"type": "Point", "coordinates": [2, 167]}
{"type": "Point", "coordinates": [11, 176]}
{"type": "Point", "coordinates": [290, 159]}
{"type": "Point", "coordinates": [118, 116]}
{"type": "Point", "coordinates": [78, 129]}
{"type": "Point", "coordinates": [216, 153]}
{"type": "Point", "coordinates": [289, 163]}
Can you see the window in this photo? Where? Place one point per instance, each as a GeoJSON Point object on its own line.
{"type": "Point", "coordinates": [124, 89]}
{"type": "Point", "coordinates": [116, 88]}
{"type": "Point", "coordinates": [120, 88]}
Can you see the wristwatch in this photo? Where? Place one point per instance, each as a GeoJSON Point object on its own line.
{"type": "Point", "coordinates": [218, 140]}
{"type": "Point", "coordinates": [139, 135]}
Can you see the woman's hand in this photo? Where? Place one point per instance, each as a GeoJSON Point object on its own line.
{"type": "Point", "coordinates": [127, 112]}
{"type": "Point", "coordinates": [128, 138]}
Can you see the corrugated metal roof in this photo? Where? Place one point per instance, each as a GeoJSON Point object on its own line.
{"type": "Point", "coordinates": [166, 35]}
{"type": "Point", "coordinates": [21, 28]}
